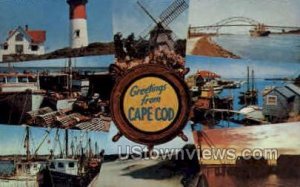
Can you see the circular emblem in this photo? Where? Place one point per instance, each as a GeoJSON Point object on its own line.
{"type": "Point", "coordinates": [150, 104]}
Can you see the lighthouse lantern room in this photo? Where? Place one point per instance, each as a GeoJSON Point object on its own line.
{"type": "Point", "coordinates": [78, 24]}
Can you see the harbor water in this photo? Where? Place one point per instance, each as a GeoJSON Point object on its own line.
{"type": "Point", "coordinates": [230, 180]}
{"type": "Point", "coordinates": [282, 48]}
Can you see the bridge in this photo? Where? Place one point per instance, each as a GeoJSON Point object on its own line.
{"type": "Point", "coordinates": [235, 22]}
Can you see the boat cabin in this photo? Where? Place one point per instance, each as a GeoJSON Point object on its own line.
{"type": "Point", "coordinates": [67, 166]}
{"type": "Point", "coordinates": [29, 169]}
{"type": "Point", "coordinates": [13, 82]}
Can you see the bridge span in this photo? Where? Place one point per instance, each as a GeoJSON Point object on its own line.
{"type": "Point", "coordinates": [236, 22]}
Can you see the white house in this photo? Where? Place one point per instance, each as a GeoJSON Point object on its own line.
{"type": "Point", "coordinates": [23, 41]}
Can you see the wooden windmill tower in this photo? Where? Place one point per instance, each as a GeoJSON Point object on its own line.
{"type": "Point", "coordinates": [161, 36]}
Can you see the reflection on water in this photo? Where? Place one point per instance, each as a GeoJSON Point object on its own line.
{"type": "Point", "coordinates": [14, 183]}
{"type": "Point", "coordinates": [226, 179]}
{"type": "Point", "coordinates": [7, 169]}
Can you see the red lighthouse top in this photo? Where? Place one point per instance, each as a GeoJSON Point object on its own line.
{"type": "Point", "coordinates": [77, 9]}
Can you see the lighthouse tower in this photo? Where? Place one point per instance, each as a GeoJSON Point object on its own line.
{"type": "Point", "coordinates": [78, 25]}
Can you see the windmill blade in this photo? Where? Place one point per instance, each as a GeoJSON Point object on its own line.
{"type": "Point", "coordinates": [173, 35]}
{"type": "Point", "coordinates": [145, 33]}
{"type": "Point", "coordinates": [173, 11]}
{"type": "Point", "coordinates": [147, 12]}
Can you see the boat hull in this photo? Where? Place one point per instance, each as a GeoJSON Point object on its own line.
{"type": "Point", "coordinates": [58, 179]}
{"type": "Point", "coordinates": [259, 33]}
{"type": "Point", "coordinates": [15, 105]}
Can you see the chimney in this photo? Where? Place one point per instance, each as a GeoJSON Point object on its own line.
{"type": "Point", "coordinates": [26, 27]}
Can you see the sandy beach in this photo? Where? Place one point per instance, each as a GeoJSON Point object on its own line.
{"type": "Point", "coordinates": [205, 46]}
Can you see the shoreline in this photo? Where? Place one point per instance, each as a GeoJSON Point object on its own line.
{"type": "Point", "coordinates": [205, 46]}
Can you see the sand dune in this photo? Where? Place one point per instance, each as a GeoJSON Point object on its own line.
{"type": "Point", "coordinates": [205, 46]}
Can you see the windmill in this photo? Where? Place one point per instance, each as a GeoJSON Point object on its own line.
{"type": "Point", "coordinates": [161, 36]}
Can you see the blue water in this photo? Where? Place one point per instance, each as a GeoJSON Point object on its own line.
{"type": "Point", "coordinates": [284, 48]}
{"type": "Point", "coordinates": [236, 69]}
{"type": "Point", "coordinates": [52, 69]}
{"type": "Point", "coordinates": [260, 85]}
{"type": "Point", "coordinates": [6, 167]}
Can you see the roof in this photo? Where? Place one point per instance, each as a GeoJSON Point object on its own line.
{"type": "Point", "coordinates": [36, 36]}
{"type": "Point", "coordinates": [96, 124]}
{"type": "Point", "coordinates": [293, 88]}
{"type": "Point", "coordinates": [287, 93]}
{"type": "Point", "coordinates": [208, 74]}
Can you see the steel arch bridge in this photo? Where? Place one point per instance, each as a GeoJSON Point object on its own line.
{"type": "Point", "coordinates": [228, 22]}
{"type": "Point", "coordinates": [237, 19]}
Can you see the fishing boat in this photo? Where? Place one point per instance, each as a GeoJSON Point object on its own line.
{"type": "Point", "coordinates": [212, 85]}
{"type": "Point", "coordinates": [259, 30]}
{"type": "Point", "coordinates": [249, 97]}
{"type": "Point", "coordinates": [27, 169]}
{"type": "Point", "coordinates": [227, 84]}
{"type": "Point", "coordinates": [19, 93]}
{"type": "Point", "coordinates": [253, 115]}
{"type": "Point", "coordinates": [61, 95]}
{"type": "Point", "coordinates": [71, 170]}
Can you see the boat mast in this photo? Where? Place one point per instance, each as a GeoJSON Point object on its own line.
{"type": "Point", "coordinates": [252, 74]}
{"type": "Point", "coordinates": [70, 76]}
{"type": "Point", "coordinates": [248, 79]}
{"type": "Point", "coordinates": [27, 143]}
{"type": "Point", "coordinates": [72, 149]}
{"type": "Point", "coordinates": [90, 148]}
{"type": "Point", "coordinates": [41, 143]}
{"type": "Point", "coordinates": [96, 148]}
{"type": "Point", "coordinates": [67, 142]}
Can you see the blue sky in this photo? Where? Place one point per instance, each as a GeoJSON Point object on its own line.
{"type": "Point", "coordinates": [12, 137]}
{"type": "Point", "coordinates": [53, 16]}
{"type": "Point", "coordinates": [128, 17]}
{"type": "Point", "coordinates": [11, 140]}
{"type": "Point", "coordinates": [270, 12]}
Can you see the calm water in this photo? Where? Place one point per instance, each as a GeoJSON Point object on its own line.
{"type": "Point", "coordinates": [260, 85]}
{"type": "Point", "coordinates": [284, 48]}
{"type": "Point", "coordinates": [54, 69]}
{"type": "Point", "coordinates": [6, 167]}
{"type": "Point", "coordinates": [14, 183]}
{"type": "Point", "coordinates": [229, 180]}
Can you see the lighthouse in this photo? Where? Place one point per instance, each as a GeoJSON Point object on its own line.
{"type": "Point", "coordinates": [78, 25]}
